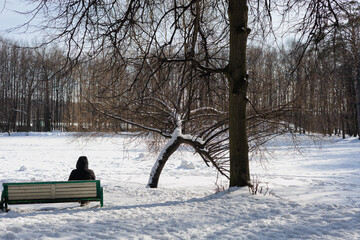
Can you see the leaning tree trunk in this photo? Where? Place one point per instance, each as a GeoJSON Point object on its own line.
{"type": "Point", "coordinates": [237, 77]}
{"type": "Point", "coordinates": [164, 155]}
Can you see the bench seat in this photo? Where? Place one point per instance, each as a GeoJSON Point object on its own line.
{"type": "Point", "coordinates": [50, 192]}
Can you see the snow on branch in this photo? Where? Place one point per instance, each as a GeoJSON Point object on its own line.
{"type": "Point", "coordinates": [202, 109]}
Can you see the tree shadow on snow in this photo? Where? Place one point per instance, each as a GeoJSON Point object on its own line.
{"type": "Point", "coordinates": [50, 210]}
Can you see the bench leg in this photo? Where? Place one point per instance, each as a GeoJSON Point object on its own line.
{"type": "Point", "coordinates": [101, 197]}
{"type": "Point", "coordinates": [4, 206]}
{"type": "Point", "coordinates": [2, 202]}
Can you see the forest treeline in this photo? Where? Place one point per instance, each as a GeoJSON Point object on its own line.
{"type": "Point", "coordinates": [290, 89]}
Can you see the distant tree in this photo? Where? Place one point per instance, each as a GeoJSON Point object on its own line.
{"type": "Point", "coordinates": [351, 32]}
{"type": "Point", "coordinates": [32, 88]}
{"type": "Point", "coordinates": [327, 70]}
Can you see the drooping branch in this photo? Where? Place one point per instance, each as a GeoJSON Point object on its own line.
{"type": "Point", "coordinates": [125, 120]}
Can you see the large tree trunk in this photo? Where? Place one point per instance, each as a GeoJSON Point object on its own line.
{"type": "Point", "coordinates": [236, 74]}
{"type": "Point", "coordinates": [164, 155]}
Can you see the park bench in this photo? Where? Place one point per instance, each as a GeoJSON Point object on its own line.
{"type": "Point", "coordinates": [50, 192]}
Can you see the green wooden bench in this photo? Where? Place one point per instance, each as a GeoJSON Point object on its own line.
{"type": "Point", "coordinates": [51, 192]}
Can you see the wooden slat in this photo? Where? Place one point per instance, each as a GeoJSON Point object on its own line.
{"type": "Point", "coordinates": [83, 195]}
{"type": "Point", "coordinates": [48, 195]}
{"type": "Point", "coordinates": [42, 186]}
{"type": "Point", "coordinates": [58, 185]}
{"type": "Point", "coordinates": [29, 191]}
{"type": "Point", "coordinates": [78, 191]}
{"type": "Point", "coordinates": [74, 185]}
{"type": "Point", "coordinates": [30, 194]}
{"type": "Point", "coordinates": [30, 197]}
{"type": "Point", "coordinates": [86, 187]}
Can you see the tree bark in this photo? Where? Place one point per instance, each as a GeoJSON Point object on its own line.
{"type": "Point", "coordinates": [237, 77]}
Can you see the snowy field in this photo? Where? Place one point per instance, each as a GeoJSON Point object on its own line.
{"type": "Point", "coordinates": [314, 194]}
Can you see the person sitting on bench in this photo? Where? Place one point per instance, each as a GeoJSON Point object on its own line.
{"type": "Point", "coordinates": [82, 172]}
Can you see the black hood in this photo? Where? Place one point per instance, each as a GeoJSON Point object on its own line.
{"type": "Point", "coordinates": [82, 163]}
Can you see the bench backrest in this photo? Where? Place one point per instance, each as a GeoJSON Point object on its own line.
{"type": "Point", "coordinates": [52, 190]}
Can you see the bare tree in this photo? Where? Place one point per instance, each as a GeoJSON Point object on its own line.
{"type": "Point", "coordinates": [187, 30]}
{"type": "Point", "coordinates": [196, 32]}
{"type": "Point", "coordinates": [352, 31]}
{"type": "Point", "coordinates": [173, 105]}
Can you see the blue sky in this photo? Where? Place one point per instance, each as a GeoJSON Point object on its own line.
{"type": "Point", "coordinates": [10, 19]}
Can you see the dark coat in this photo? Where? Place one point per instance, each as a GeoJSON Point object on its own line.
{"type": "Point", "coordinates": [82, 172]}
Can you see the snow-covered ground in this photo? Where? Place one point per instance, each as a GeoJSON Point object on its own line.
{"type": "Point", "coordinates": [314, 194]}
